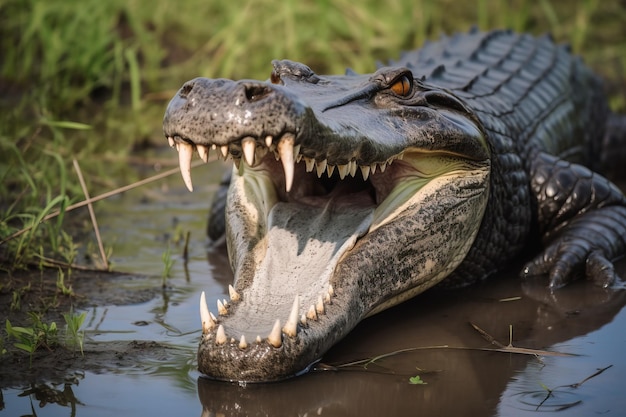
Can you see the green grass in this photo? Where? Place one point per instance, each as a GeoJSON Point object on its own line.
{"type": "Point", "coordinates": [74, 337]}
{"type": "Point", "coordinates": [168, 263]}
{"type": "Point", "coordinates": [29, 339]}
{"type": "Point", "coordinates": [89, 79]}
{"type": "Point", "coordinates": [41, 335]}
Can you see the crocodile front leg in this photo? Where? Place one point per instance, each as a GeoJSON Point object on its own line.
{"type": "Point", "coordinates": [582, 220]}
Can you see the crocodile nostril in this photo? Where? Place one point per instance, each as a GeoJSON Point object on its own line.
{"type": "Point", "coordinates": [257, 92]}
{"type": "Point", "coordinates": [186, 89]}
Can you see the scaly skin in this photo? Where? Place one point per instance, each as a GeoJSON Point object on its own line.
{"type": "Point", "coordinates": [482, 138]}
{"type": "Point", "coordinates": [545, 103]}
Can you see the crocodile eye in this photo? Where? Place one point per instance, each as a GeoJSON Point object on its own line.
{"type": "Point", "coordinates": [402, 86]}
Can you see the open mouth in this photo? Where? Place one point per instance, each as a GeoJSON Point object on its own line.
{"type": "Point", "coordinates": [303, 178]}
{"type": "Point", "coordinates": [298, 212]}
{"type": "Point", "coordinates": [313, 210]}
{"type": "Point", "coordinates": [278, 170]}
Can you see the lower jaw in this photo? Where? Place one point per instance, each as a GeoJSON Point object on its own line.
{"type": "Point", "coordinates": [262, 362]}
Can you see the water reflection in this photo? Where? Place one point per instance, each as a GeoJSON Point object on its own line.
{"type": "Point", "coordinates": [45, 394]}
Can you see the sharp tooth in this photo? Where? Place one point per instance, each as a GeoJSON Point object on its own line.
{"type": "Point", "coordinates": [207, 322]}
{"type": "Point", "coordinates": [291, 326]}
{"type": "Point", "coordinates": [331, 291]}
{"type": "Point", "coordinates": [373, 168]}
{"type": "Point", "coordinates": [275, 337]}
{"type": "Point", "coordinates": [178, 146]}
{"type": "Point", "coordinates": [343, 170]}
{"type": "Point", "coordinates": [203, 152]}
{"type": "Point", "coordinates": [249, 146]}
{"type": "Point", "coordinates": [319, 307]}
{"type": "Point", "coordinates": [296, 152]}
{"type": "Point", "coordinates": [268, 141]}
{"type": "Point", "coordinates": [185, 152]}
{"type": "Point", "coordinates": [329, 170]}
{"type": "Point", "coordinates": [258, 339]}
{"type": "Point", "coordinates": [365, 171]}
{"type": "Point", "coordinates": [382, 167]}
{"type": "Point", "coordinates": [237, 162]}
{"type": "Point", "coordinates": [213, 146]}
{"type": "Point", "coordinates": [353, 168]}
{"type": "Point", "coordinates": [310, 164]}
{"type": "Point", "coordinates": [285, 150]}
{"type": "Point", "coordinates": [170, 140]}
{"type": "Point", "coordinates": [303, 319]}
{"type": "Point", "coordinates": [327, 298]}
{"type": "Point", "coordinates": [242, 342]}
{"type": "Point", "coordinates": [224, 149]}
{"type": "Point", "coordinates": [213, 317]}
{"type": "Point", "coordinates": [221, 309]}
{"type": "Point", "coordinates": [311, 314]}
{"type": "Point", "coordinates": [321, 167]}
{"type": "Point", "coordinates": [234, 295]}
{"type": "Point", "coordinates": [220, 336]}
{"type": "Point", "coordinates": [401, 156]}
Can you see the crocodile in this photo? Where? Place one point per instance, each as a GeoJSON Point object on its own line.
{"type": "Point", "coordinates": [353, 193]}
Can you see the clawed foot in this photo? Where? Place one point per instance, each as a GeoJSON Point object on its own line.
{"type": "Point", "coordinates": [563, 265]}
{"type": "Point", "coordinates": [583, 248]}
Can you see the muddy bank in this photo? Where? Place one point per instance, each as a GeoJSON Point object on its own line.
{"type": "Point", "coordinates": [36, 291]}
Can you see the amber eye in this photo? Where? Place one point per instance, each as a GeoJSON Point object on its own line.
{"type": "Point", "coordinates": [402, 86]}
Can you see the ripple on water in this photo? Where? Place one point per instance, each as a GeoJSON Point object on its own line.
{"type": "Point", "coordinates": [546, 400]}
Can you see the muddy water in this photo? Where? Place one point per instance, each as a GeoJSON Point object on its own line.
{"type": "Point", "coordinates": [461, 375]}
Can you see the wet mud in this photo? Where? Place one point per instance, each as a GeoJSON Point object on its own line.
{"type": "Point", "coordinates": [39, 294]}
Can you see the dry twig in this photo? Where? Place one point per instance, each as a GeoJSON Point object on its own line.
{"type": "Point", "coordinates": [92, 214]}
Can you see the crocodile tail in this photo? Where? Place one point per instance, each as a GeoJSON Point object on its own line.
{"type": "Point", "coordinates": [613, 152]}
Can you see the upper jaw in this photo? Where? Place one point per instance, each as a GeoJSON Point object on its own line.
{"type": "Point", "coordinates": [253, 151]}
{"type": "Point", "coordinates": [255, 119]}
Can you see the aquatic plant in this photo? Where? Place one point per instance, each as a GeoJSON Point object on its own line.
{"type": "Point", "coordinates": [417, 380]}
{"type": "Point", "coordinates": [60, 284]}
{"type": "Point", "coordinates": [29, 339]}
{"type": "Point", "coordinates": [168, 263]}
{"type": "Point", "coordinates": [73, 335]}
